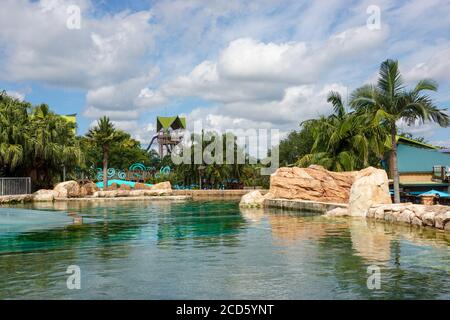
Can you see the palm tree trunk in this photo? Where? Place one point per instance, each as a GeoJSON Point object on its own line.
{"type": "Point", "coordinates": [393, 163]}
{"type": "Point", "coordinates": [105, 167]}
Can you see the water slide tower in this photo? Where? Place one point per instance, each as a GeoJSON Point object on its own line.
{"type": "Point", "coordinates": [169, 133]}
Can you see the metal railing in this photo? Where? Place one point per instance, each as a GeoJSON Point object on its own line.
{"type": "Point", "coordinates": [441, 173]}
{"type": "Point", "coordinates": [14, 186]}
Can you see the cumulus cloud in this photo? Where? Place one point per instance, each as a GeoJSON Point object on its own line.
{"type": "Point", "coordinates": [299, 103]}
{"type": "Point", "coordinates": [435, 65]}
{"type": "Point", "coordinates": [37, 44]}
{"type": "Point", "coordinates": [124, 100]}
{"type": "Point", "coordinates": [249, 64]}
{"type": "Point", "coordinates": [248, 69]}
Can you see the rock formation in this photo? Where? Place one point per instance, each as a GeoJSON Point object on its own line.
{"type": "Point", "coordinates": [68, 189]}
{"type": "Point", "coordinates": [313, 183]}
{"type": "Point", "coordinates": [420, 215]}
{"type": "Point", "coordinates": [90, 188]}
{"type": "Point", "coordinates": [371, 187]}
{"type": "Point", "coordinates": [44, 195]}
{"type": "Point", "coordinates": [253, 199]}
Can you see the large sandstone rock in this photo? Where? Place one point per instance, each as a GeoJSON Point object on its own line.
{"type": "Point", "coordinates": [91, 188]}
{"type": "Point", "coordinates": [141, 186]}
{"type": "Point", "coordinates": [337, 212]}
{"type": "Point", "coordinates": [253, 199]}
{"type": "Point", "coordinates": [162, 186]}
{"type": "Point", "coordinates": [44, 195]}
{"type": "Point", "coordinates": [313, 183]}
{"type": "Point", "coordinates": [371, 187]}
{"type": "Point", "coordinates": [113, 186]}
{"type": "Point", "coordinates": [68, 189]}
{"type": "Point", "coordinates": [12, 199]}
{"type": "Point", "coordinates": [124, 187]}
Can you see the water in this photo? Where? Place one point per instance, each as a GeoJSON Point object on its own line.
{"type": "Point", "coordinates": [213, 250]}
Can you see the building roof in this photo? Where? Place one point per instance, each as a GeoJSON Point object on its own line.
{"type": "Point", "coordinates": [403, 140]}
{"type": "Point", "coordinates": [170, 123]}
{"type": "Point", "coordinates": [417, 159]}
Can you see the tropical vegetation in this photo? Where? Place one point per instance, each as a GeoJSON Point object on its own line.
{"type": "Point", "coordinates": [36, 142]}
{"type": "Point", "coordinates": [365, 132]}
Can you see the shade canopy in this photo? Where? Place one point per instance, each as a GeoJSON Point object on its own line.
{"type": "Point", "coordinates": [435, 192]}
{"type": "Point", "coordinates": [173, 123]}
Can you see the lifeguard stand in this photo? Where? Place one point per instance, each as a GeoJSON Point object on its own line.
{"type": "Point", "coordinates": [169, 133]}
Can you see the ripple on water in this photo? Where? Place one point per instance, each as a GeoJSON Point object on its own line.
{"type": "Point", "coordinates": [212, 249]}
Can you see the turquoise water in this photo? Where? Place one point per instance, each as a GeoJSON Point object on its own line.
{"type": "Point", "coordinates": [214, 250]}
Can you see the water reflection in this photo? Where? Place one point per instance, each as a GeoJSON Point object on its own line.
{"type": "Point", "coordinates": [209, 249]}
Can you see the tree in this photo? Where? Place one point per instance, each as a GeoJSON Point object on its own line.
{"type": "Point", "coordinates": [342, 141]}
{"type": "Point", "coordinates": [295, 145]}
{"type": "Point", "coordinates": [389, 101]}
{"type": "Point", "coordinates": [103, 135]}
{"type": "Point", "coordinates": [35, 142]}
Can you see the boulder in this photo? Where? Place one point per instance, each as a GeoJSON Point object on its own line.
{"type": "Point", "coordinates": [337, 212]}
{"type": "Point", "coordinates": [83, 192]}
{"type": "Point", "coordinates": [428, 219]}
{"type": "Point", "coordinates": [113, 186]}
{"type": "Point", "coordinates": [44, 195]}
{"type": "Point", "coordinates": [313, 183]}
{"type": "Point", "coordinates": [106, 194]}
{"type": "Point", "coordinates": [405, 216]}
{"type": "Point", "coordinates": [21, 198]}
{"type": "Point", "coordinates": [447, 226]}
{"type": "Point", "coordinates": [90, 188]}
{"type": "Point", "coordinates": [124, 187]}
{"type": "Point", "coordinates": [441, 219]}
{"type": "Point", "coordinates": [141, 186]}
{"type": "Point", "coordinates": [371, 187]}
{"type": "Point", "coordinates": [68, 189]}
{"type": "Point", "coordinates": [162, 186]}
{"type": "Point", "coordinates": [253, 199]}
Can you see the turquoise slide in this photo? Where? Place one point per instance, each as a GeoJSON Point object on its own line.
{"type": "Point", "coordinates": [119, 182]}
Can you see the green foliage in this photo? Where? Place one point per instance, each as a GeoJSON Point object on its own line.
{"type": "Point", "coordinates": [36, 142]}
{"type": "Point", "coordinates": [295, 145]}
{"type": "Point", "coordinates": [387, 102]}
{"type": "Point", "coordinates": [343, 141]}
{"type": "Point", "coordinates": [123, 152]}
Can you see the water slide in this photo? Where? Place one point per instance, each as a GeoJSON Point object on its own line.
{"type": "Point", "coordinates": [151, 142]}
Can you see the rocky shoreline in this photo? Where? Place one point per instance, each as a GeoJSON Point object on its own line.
{"type": "Point", "coordinates": [72, 190]}
{"type": "Point", "coordinates": [352, 194]}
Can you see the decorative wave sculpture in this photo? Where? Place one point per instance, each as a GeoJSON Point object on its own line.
{"type": "Point", "coordinates": [137, 171]}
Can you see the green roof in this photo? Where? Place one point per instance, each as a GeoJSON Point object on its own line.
{"type": "Point", "coordinates": [173, 123]}
{"type": "Point", "coordinates": [418, 159]}
{"type": "Point", "coordinates": [70, 117]}
{"type": "Point", "coordinates": [416, 143]}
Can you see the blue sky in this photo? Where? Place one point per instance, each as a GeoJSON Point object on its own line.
{"type": "Point", "coordinates": [231, 64]}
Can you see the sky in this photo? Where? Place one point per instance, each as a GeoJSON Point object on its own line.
{"type": "Point", "coordinates": [232, 64]}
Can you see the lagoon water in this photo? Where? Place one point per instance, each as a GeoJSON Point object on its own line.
{"type": "Point", "coordinates": [214, 250]}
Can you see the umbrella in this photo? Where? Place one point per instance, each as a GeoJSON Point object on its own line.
{"type": "Point", "coordinates": [434, 193]}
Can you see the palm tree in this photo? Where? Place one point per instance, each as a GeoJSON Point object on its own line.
{"type": "Point", "coordinates": [342, 142]}
{"type": "Point", "coordinates": [388, 101]}
{"type": "Point", "coordinates": [104, 134]}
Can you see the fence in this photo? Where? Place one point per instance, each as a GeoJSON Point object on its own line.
{"type": "Point", "coordinates": [13, 186]}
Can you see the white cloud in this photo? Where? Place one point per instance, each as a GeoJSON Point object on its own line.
{"type": "Point", "coordinates": [435, 64]}
{"type": "Point", "coordinates": [248, 69]}
{"type": "Point", "coordinates": [124, 100]}
{"type": "Point", "coordinates": [299, 103]}
{"type": "Point", "coordinates": [38, 45]}
{"type": "Point", "coordinates": [16, 94]}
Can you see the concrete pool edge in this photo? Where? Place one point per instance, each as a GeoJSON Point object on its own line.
{"type": "Point", "coordinates": [142, 198]}
{"type": "Point", "coordinates": [299, 205]}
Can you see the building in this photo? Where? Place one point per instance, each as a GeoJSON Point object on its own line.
{"type": "Point", "coordinates": [422, 167]}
